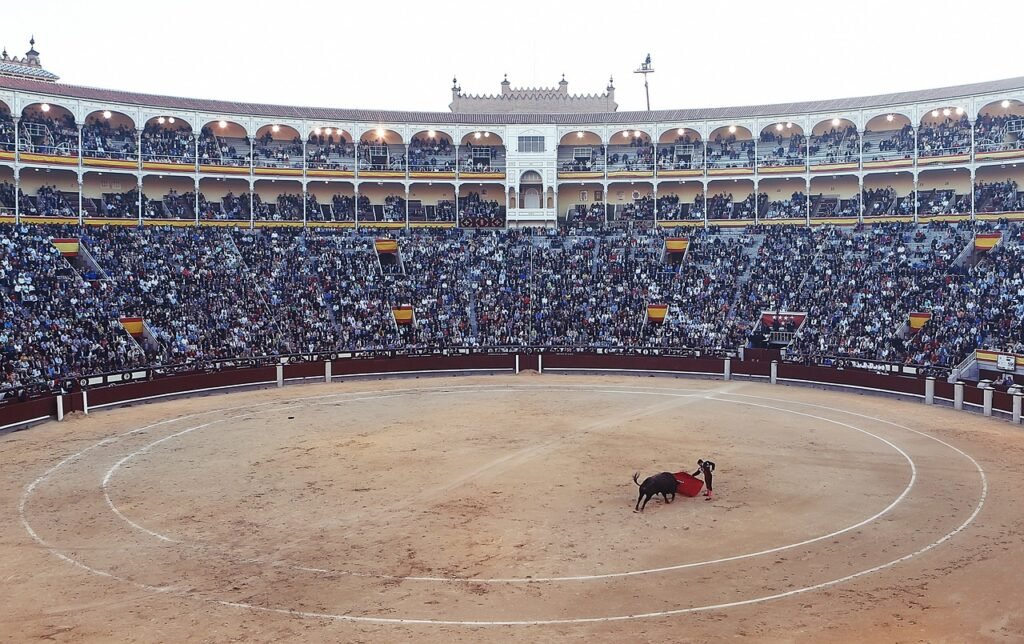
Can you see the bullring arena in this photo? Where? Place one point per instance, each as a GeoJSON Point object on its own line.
{"type": "Point", "coordinates": [500, 508]}
{"type": "Point", "coordinates": [277, 373]}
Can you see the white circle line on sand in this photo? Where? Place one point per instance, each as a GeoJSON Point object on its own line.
{"type": "Point", "coordinates": [550, 579]}
{"type": "Point", "coordinates": [383, 620]}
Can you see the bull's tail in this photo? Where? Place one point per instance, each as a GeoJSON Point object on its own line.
{"type": "Point", "coordinates": [636, 477]}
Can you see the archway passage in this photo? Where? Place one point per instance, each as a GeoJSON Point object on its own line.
{"type": "Point", "coordinates": [531, 190]}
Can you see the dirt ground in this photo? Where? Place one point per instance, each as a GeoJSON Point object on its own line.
{"type": "Point", "coordinates": [500, 509]}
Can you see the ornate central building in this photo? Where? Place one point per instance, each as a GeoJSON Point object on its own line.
{"type": "Point", "coordinates": [533, 100]}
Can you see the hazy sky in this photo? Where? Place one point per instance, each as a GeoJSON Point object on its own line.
{"type": "Point", "coordinates": [402, 55]}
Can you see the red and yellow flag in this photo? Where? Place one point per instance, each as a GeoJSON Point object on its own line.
{"type": "Point", "coordinates": [386, 245]}
{"type": "Point", "coordinates": [676, 244]}
{"type": "Point", "coordinates": [656, 313]}
{"type": "Point", "coordinates": [403, 314]}
{"type": "Point", "coordinates": [68, 247]}
{"type": "Point", "coordinates": [917, 320]}
{"type": "Point", "coordinates": [133, 326]}
{"type": "Point", "coordinates": [986, 241]}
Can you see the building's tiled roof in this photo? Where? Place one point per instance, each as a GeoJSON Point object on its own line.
{"type": "Point", "coordinates": [27, 70]}
{"type": "Point", "coordinates": [326, 115]}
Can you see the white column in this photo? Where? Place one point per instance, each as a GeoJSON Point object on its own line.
{"type": "Point", "coordinates": [958, 396]}
{"type": "Point", "coordinates": [327, 371]}
{"type": "Point", "coordinates": [85, 402]}
{"type": "Point", "coordinates": [727, 369]}
{"type": "Point", "coordinates": [1017, 396]}
{"type": "Point", "coordinates": [280, 375]}
{"type": "Point", "coordinates": [929, 390]}
{"type": "Point", "coordinates": [987, 392]}
{"type": "Point", "coordinates": [540, 363]}
{"type": "Point", "coordinates": [775, 372]}
{"type": "Point", "coordinates": [517, 364]}
{"type": "Point", "coordinates": [17, 189]}
{"type": "Point", "coordinates": [60, 407]}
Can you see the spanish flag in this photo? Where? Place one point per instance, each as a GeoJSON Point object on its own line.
{"type": "Point", "coordinates": [656, 313]}
{"type": "Point", "coordinates": [133, 326]}
{"type": "Point", "coordinates": [917, 320]}
{"type": "Point", "coordinates": [676, 244]}
{"type": "Point", "coordinates": [403, 314]}
{"type": "Point", "coordinates": [986, 241]}
{"type": "Point", "coordinates": [386, 245]}
{"type": "Point", "coordinates": [68, 247]}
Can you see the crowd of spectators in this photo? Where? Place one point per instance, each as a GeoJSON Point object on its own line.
{"type": "Point", "coordinates": [49, 202]}
{"type": "Point", "coordinates": [168, 145]}
{"type": "Point", "coordinates": [7, 132]}
{"type": "Point", "coordinates": [979, 306]}
{"type": "Point", "coordinates": [380, 156]}
{"type": "Point", "coordinates": [729, 152]}
{"type": "Point", "coordinates": [431, 154]}
{"type": "Point", "coordinates": [53, 323]}
{"type": "Point", "coordinates": [214, 293]}
{"type": "Point", "coordinates": [637, 155]}
{"type": "Point", "coordinates": [220, 150]}
{"type": "Point", "coordinates": [951, 136]}
{"type": "Point", "coordinates": [792, 208]}
{"type": "Point", "coordinates": [101, 141]}
{"type": "Point", "coordinates": [836, 145]}
{"type": "Point", "coordinates": [774, 149]}
{"type": "Point", "coordinates": [270, 153]}
{"type": "Point", "coordinates": [120, 204]}
{"type": "Point", "coordinates": [477, 212]}
{"type": "Point", "coordinates": [45, 135]}
{"type": "Point", "coordinates": [889, 144]}
{"type": "Point", "coordinates": [998, 196]}
{"type": "Point", "coordinates": [991, 133]}
{"type": "Point", "coordinates": [685, 153]}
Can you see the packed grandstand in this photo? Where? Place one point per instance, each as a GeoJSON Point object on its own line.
{"type": "Point", "coordinates": [147, 230]}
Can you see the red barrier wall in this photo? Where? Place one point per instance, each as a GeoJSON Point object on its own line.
{"type": "Point", "coordinates": [183, 383]}
{"type": "Point", "coordinates": [636, 363]}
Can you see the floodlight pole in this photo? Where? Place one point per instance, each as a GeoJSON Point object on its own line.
{"type": "Point", "coordinates": [645, 69]}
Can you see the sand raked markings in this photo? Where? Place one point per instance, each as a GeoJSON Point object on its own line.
{"type": "Point", "coordinates": [524, 580]}
{"type": "Point", "coordinates": [568, 621]}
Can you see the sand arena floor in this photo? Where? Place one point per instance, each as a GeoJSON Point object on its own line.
{"type": "Point", "coordinates": [500, 509]}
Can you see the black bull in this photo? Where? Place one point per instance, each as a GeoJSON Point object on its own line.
{"type": "Point", "coordinates": [663, 484]}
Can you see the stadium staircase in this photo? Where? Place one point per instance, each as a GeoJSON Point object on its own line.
{"type": "Point", "coordinates": [749, 251]}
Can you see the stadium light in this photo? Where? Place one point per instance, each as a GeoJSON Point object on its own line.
{"type": "Point", "coordinates": [45, 107]}
{"type": "Point", "coordinates": [935, 113]}
{"type": "Point", "coordinates": [1005, 103]}
{"type": "Point", "coordinates": [945, 112]}
{"type": "Point", "coordinates": [328, 131]}
{"type": "Point", "coordinates": [222, 124]}
{"type": "Point", "coordinates": [477, 135]}
{"type": "Point", "coordinates": [275, 128]}
{"type": "Point", "coordinates": [170, 120]}
{"type": "Point", "coordinates": [645, 68]}
{"type": "Point", "coordinates": [889, 117]}
{"type": "Point", "coordinates": [579, 135]}
{"type": "Point", "coordinates": [625, 134]}
{"type": "Point", "coordinates": [732, 129]}
{"type": "Point", "coordinates": [637, 134]}
{"type": "Point", "coordinates": [959, 111]}
{"type": "Point", "coordinates": [681, 131]}
{"type": "Point", "coordinates": [487, 134]}
{"type": "Point", "coordinates": [317, 131]}
{"type": "Point", "coordinates": [778, 127]}
{"type": "Point", "coordinates": [161, 120]}
{"type": "Point", "coordinates": [380, 132]}
{"type": "Point", "coordinates": [106, 114]}
{"type": "Point", "coordinates": [789, 125]}
{"type": "Point", "coordinates": [836, 122]}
